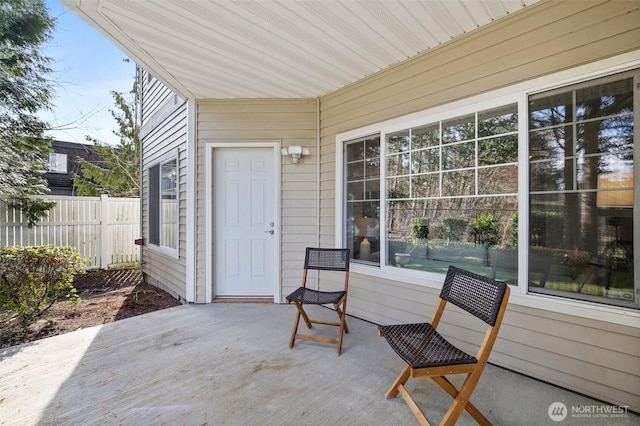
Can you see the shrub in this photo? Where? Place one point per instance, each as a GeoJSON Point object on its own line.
{"type": "Point", "coordinates": [420, 228]}
{"type": "Point", "coordinates": [32, 279]}
{"type": "Point", "coordinates": [454, 228]}
{"type": "Point", "coordinates": [514, 229]}
{"type": "Point", "coordinates": [485, 229]}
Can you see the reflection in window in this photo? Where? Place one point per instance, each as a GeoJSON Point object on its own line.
{"type": "Point", "coordinates": [163, 204]}
{"type": "Point", "coordinates": [581, 174]}
{"type": "Point", "coordinates": [451, 194]}
{"type": "Point", "coordinates": [362, 170]}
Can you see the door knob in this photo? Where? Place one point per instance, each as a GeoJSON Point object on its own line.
{"type": "Point", "coordinates": [270, 231]}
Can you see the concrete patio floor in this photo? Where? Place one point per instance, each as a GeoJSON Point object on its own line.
{"type": "Point", "coordinates": [229, 364]}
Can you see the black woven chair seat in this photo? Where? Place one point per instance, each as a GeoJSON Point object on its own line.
{"type": "Point", "coordinates": [306, 295]}
{"type": "Point", "coordinates": [420, 345]}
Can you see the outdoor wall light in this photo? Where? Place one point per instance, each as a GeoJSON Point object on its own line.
{"type": "Point", "coordinates": [297, 153]}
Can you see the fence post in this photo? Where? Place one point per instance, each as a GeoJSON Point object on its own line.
{"type": "Point", "coordinates": [105, 238]}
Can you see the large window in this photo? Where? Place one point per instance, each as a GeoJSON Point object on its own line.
{"type": "Point", "coordinates": [581, 191]}
{"type": "Point", "coordinates": [163, 206]}
{"type": "Point", "coordinates": [451, 189]}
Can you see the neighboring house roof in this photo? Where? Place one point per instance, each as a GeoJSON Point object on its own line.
{"type": "Point", "coordinates": [64, 165]}
{"type": "Point", "coordinates": [280, 49]}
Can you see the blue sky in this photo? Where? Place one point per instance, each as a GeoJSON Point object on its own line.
{"type": "Point", "coordinates": [87, 67]}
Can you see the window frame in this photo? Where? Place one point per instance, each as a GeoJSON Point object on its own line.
{"type": "Point", "coordinates": [518, 93]}
{"type": "Point", "coordinates": [575, 188]}
{"type": "Point", "coordinates": [345, 236]}
{"type": "Point", "coordinates": [157, 246]}
{"type": "Point", "coordinates": [396, 125]}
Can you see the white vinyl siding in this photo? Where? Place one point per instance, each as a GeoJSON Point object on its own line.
{"type": "Point", "coordinates": [576, 351]}
{"type": "Point", "coordinates": [155, 96]}
{"type": "Point", "coordinates": [163, 139]}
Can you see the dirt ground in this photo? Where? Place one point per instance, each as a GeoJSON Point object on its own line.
{"type": "Point", "coordinates": [106, 296]}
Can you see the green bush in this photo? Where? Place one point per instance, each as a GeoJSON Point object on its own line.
{"type": "Point", "coordinates": [32, 279]}
{"type": "Point", "coordinates": [485, 229]}
{"type": "Point", "coordinates": [514, 230]}
{"type": "Point", "coordinates": [454, 228]}
{"type": "Point", "coordinates": [420, 228]}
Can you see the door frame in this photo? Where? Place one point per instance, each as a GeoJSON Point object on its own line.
{"type": "Point", "coordinates": [209, 148]}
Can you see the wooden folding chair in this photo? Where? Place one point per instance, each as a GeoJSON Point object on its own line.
{"type": "Point", "coordinates": [428, 354]}
{"type": "Point", "coordinates": [322, 260]}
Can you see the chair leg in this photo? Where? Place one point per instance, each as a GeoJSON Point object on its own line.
{"type": "Point", "coordinates": [303, 313]}
{"type": "Point", "coordinates": [299, 312]}
{"type": "Point", "coordinates": [413, 406]}
{"type": "Point", "coordinates": [400, 380]}
{"type": "Point", "coordinates": [295, 329]}
{"type": "Point", "coordinates": [461, 401]}
{"type": "Point", "coordinates": [342, 315]}
{"type": "Point", "coordinates": [471, 409]}
{"type": "Point", "coordinates": [339, 348]}
{"type": "Point", "coordinates": [343, 325]}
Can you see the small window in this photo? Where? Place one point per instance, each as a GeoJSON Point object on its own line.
{"type": "Point", "coordinates": [163, 204]}
{"type": "Point", "coordinates": [57, 163]}
{"type": "Point", "coordinates": [362, 171]}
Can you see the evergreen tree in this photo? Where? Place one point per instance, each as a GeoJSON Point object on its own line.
{"type": "Point", "coordinates": [25, 26]}
{"type": "Point", "coordinates": [118, 172]}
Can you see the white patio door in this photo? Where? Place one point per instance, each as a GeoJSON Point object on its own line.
{"type": "Point", "coordinates": [244, 212]}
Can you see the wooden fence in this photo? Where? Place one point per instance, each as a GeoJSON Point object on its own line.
{"type": "Point", "coordinates": [102, 229]}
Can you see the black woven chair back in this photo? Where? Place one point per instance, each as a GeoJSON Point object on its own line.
{"type": "Point", "coordinates": [326, 259]}
{"type": "Point", "coordinates": [478, 295]}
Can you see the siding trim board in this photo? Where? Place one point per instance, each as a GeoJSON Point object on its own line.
{"type": "Point", "coordinates": [191, 208]}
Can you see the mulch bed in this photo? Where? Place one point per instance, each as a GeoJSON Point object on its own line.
{"type": "Point", "coordinates": [107, 295]}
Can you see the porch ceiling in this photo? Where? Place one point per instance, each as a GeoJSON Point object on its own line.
{"type": "Point", "coordinates": [279, 48]}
